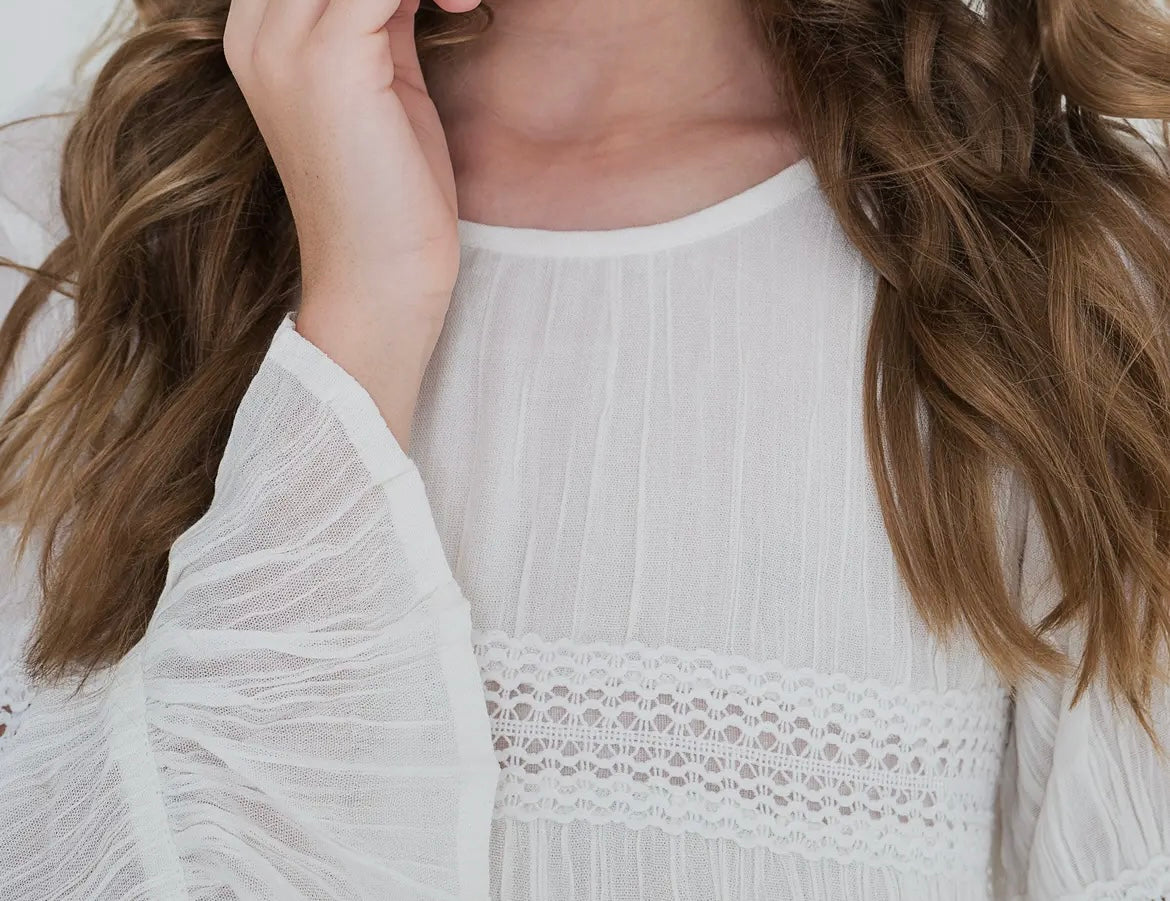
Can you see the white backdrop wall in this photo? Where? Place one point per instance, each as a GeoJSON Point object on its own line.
{"type": "Point", "coordinates": [39, 44]}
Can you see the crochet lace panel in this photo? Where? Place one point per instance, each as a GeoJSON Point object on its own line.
{"type": "Point", "coordinates": [724, 747]}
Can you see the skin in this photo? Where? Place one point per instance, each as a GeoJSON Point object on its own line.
{"type": "Point", "coordinates": [594, 114]}
{"type": "Point", "coordinates": [567, 114]}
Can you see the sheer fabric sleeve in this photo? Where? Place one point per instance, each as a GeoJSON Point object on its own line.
{"type": "Point", "coordinates": [304, 717]}
{"type": "Point", "coordinates": [1085, 796]}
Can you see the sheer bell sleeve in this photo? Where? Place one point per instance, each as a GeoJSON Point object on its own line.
{"type": "Point", "coordinates": [304, 717]}
{"type": "Point", "coordinates": [1085, 798]}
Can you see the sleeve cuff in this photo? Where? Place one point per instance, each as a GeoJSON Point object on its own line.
{"type": "Point", "coordinates": [344, 395]}
{"type": "Point", "coordinates": [1148, 882]}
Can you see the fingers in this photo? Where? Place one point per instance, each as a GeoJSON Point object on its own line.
{"type": "Point", "coordinates": [457, 6]}
{"type": "Point", "coordinates": [358, 17]}
{"type": "Point", "coordinates": [287, 23]}
{"type": "Point", "coordinates": [403, 47]}
{"type": "Point", "coordinates": [369, 16]}
{"type": "Point", "coordinates": [239, 35]}
{"type": "Point", "coordinates": [259, 30]}
{"type": "Point", "coordinates": [263, 33]}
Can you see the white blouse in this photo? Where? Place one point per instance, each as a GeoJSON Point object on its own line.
{"type": "Point", "coordinates": [625, 624]}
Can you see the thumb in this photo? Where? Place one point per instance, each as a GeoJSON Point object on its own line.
{"type": "Point", "coordinates": [403, 47]}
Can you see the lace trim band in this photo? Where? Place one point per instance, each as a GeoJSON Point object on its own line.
{"type": "Point", "coordinates": [725, 747]}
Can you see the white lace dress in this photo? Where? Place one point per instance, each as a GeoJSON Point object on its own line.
{"type": "Point", "coordinates": [624, 625]}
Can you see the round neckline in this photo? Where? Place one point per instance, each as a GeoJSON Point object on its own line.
{"type": "Point", "coordinates": [709, 221]}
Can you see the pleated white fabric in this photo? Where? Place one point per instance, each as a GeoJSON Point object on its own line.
{"type": "Point", "coordinates": [624, 625]}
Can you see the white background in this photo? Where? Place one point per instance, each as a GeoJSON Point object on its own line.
{"type": "Point", "coordinates": [40, 41]}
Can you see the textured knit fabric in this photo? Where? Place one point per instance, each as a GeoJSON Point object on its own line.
{"type": "Point", "coordinates": [624, 624]}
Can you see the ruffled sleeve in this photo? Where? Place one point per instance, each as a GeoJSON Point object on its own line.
{"type": "Point", "coordinates": [304, 717]}
{"type": "Point", "coordinates": [1085, 798]}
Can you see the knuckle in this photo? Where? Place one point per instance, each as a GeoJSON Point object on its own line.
{"type": "Point", "coordinates": [235, 55]}
{"type": "Point", "coordinates": [269, 61]}
{"type": "Point", "coordinates": [319, 55]}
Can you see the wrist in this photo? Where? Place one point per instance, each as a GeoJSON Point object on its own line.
{"type": "Point", "coordinates": [388, 365]}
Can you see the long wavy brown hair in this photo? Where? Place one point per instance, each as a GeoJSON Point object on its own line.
{"type": "Point", "coordinates": [978, 156]}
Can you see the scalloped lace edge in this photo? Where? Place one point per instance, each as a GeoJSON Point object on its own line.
{"type": "Point", "coordinates": [732, 748]}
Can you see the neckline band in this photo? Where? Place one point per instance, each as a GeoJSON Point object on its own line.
{"type": "Point", "coordinates": [721, 216]}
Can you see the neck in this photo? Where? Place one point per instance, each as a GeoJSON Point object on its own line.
{"type": "Point", "coordinates": [588, 72]}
